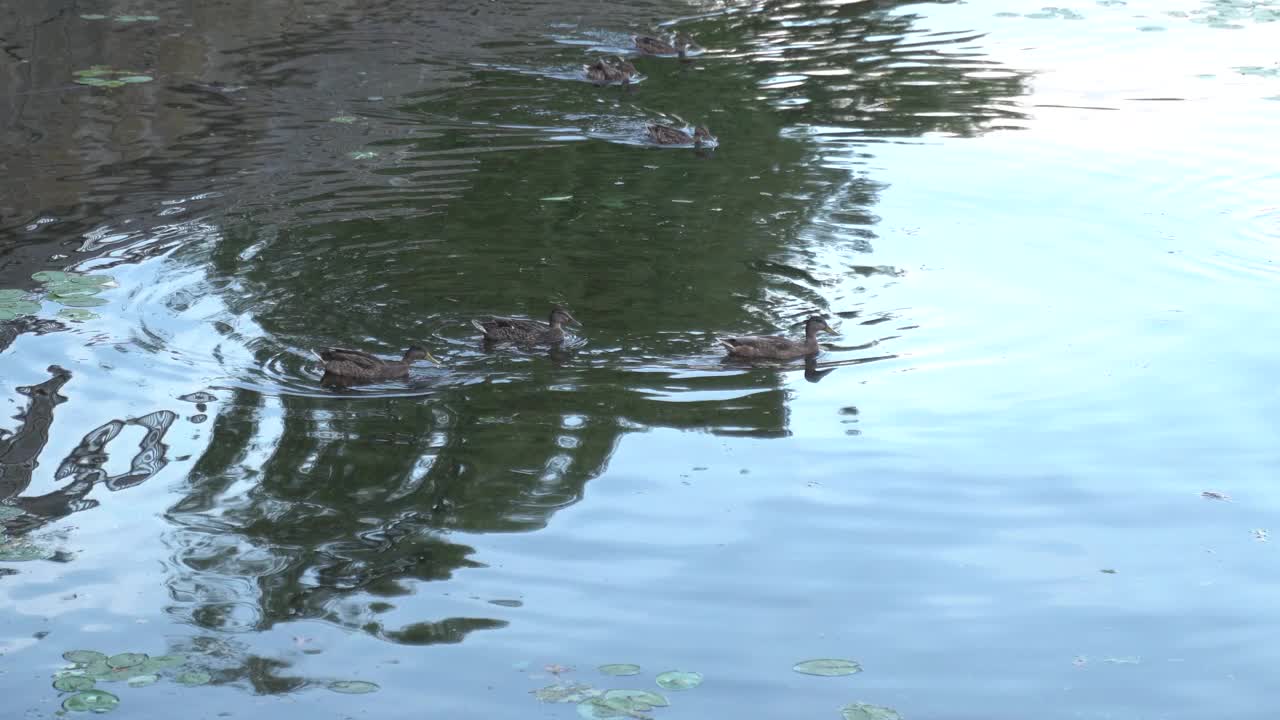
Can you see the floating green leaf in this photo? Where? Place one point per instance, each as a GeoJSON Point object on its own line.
{"type": "Point", "coordinates": [93, 17]}
{"type": "Point", "coordinates": [595, 709]}
{"type": "Point", "coordinates": [80, 302]}
{"type": "Point", "coordinates": [136, 18]}
{"type": "Point", "coordinates": [73, 683]}
{"type": "Point", "coordinates": [828, 667]}
{"type": "Point", "coordinates": [49, 275]}
{"type": "Point", "coordinates": [863, 711]}
{"type": "Point", "coordinates": [679, 680]}
{"type": "Point", "coordinates": [83, 656]}
{"type": "Point", "coordinates": [87, 279]}
{"type": "Point", "coordinates": [103, 76]}
{"type": "Point", "coordinates": [12, 294]}
{"type": "Point", "coordinates": [620, 669]}
{"type": "Point", "coordinates": [557, 198]}
{"type": "Point", "coordinates": [566, 693]}
{"type": "Point", "coordinates": [126, 660]}
{"type": "Point", "coordinates": [193, 677]}
{"type": "Point", "coordinates": [95, 701]}
{"type": "Point", "coordinates": [136, 79]}
{"type": "Point", "coordinates": [343, 119]}
{"type": "Point", "coordinates": [142, 680]}
{"type": "Point", "coordinates": [352, 687]}
{"type": "Point", "coordinates": [640, 700]}
{"type": "Point", "coordinates": [166, 661]}
{"type": "Point", "coordinates": [66, 289]}
{"type": "Point", "coordinates": [15, 550]}
{"type": "Point", "coordinates": [76, 314]}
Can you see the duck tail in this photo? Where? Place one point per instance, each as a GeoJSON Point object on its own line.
{"type": "Point", "coordinates": [728, 343]}
{"type": "Point", "coordinates": [480, 326]}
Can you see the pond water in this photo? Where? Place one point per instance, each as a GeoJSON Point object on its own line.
{"type": "Point", "coordinates": [1046, 237]}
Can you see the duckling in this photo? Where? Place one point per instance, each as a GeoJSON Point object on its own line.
{"type": "Point", "coordinates": [608, 70]}
{"type": "Point", "coordinates": [759, 347]}
{"type": "Point", "coordinates": [679, 45]}
{"type": "Point", "coordinates": [526, 332]}
{"type": "Point", "coordinates": [669, 135]}
{"type": "Point", "coordinates": [347, 366]}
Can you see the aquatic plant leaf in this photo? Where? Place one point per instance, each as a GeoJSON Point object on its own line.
{"type": "Point", "coordinates": [49, 276]}
{"type": "Point", "coordinates": [20, 307]}
{"type": "Point", "coordinates": [15, 550]}
{"type": "Point", "coordinates": [136, 18]}
{"type": "Point", "coordinates": [142, 680]}
{"type": "Point", "coordinates": [83, 656]}
{"type": "Point", "coordinates": [353, 687]}
{"type": "Point", "coordinates": [557, 198]}
{"type": "Point", "coordinates": [863, 711]}
{"type": "Point", "coordinates": [99, 82]}
{"type": "Point", "coordinates": [133, 79]}
{"type": "Point", "coordinates": [73, 683]}
{"type": "Point", "coordinates": [6, 314]}
{"type": "Point", "coordinates": [77, 315]}
{"type": "Point", "coordinates": [93, 17]}
{"type": "Point", "coordinates": [595, 709]}
{"type": "Point", "coordinates": [620, 669]}
{"type": "Point", "coordinates": [343, 119]}
{"type": "Point", "coordinates": [66, 289]}
{"type": "Point", "coordinates": [12, 294]}
{"type": "Point", "coordinates": [78, 302]}
{"type": "Point", "coordinates": [100, 670]}
{"type": "Point", "coordinates": [617, 698]}
{"type": "Point", "coordinates": [166, 661]}
{"type": "Point", "coordinates": [96, 701]}
{"type": "Point", "coordinates": [193, 677]}
{"type": "Point", "coordinates": [126, 660]}
{"type": "Point", "coordinates": [86, 279]}
{"type": "Point", "coordinates": [94, 71]}
{"type": "Point", "coordinates": [566, 693]}
{"type": "Point", "coordinates": [828, 667]}
{"type": "Point", "coordinates": [679, 680]}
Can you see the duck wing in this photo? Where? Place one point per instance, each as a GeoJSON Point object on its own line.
{"type": "Point", "coordinates": [667, 135]}
{"type": "Point", "coordinates": [350, 358]}
{"type": "Point", "coordinates": [499, 327]}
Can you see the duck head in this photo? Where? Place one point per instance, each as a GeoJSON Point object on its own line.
{"type": "Point", "coordinates": [417, 352]}
{"type": "Point", "coordinates": [560, 316]}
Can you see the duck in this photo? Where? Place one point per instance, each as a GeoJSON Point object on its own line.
{"type": "Point", "coordinates": [343, 365]}
{"type": "Point", "coordinates": [608, 70]}
{"type": "Point", "coordinates": [669, 135]}
{"type": "Point", "coordinates": [526, 332]}
{"type": "Point", "coordinates": [776, 347]}
{"type": "Point", "coordinates": [678, 45]}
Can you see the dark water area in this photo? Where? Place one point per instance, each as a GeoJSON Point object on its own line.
{"type": "Point", "coordinates": [1046, 239]}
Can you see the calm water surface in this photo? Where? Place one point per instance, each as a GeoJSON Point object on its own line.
{"type": "Point", "coordinates": [1047, 238]}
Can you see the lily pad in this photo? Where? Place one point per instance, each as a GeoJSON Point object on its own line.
{"type": "Point", "coordinates": [15, 308]}
{"type": "Point", "coordinates": [343, 119]}
{"type": "Point", "coordinates": [620, 669]}
{"type": "Point", "coordinates": [136, 79]}
{"type": "Point", "coordinates": [12, 294]}
{"type": "Point", "coordinates": [78, 302]}
{"type": "Point", "coordinates": [863, 711]}
{"type": "Point", "coordinates": [641, 700]}
{"type": "Point", "coordinates": [166, 661]}
{"type": "Point", "coordinates": [566, 693]}
{"type": "Point", "coordinates": [126, 660]}
{"type": "Point", "coordinates": [679, 680]}
{"type": "Point", "coordinates": [66, 289]}
{"type": "Point", "coordinates": [73, 683]}
{"type": "Point", "coordinates": [76, 314]}
{"type": "Point", "coordinates": [23, 551]}
{"type": "Point", "coordinates": [595, 709]}
{"type": "Point", "coordinates": [93, 17]}
{"type": "Point", "coordinates": [83, 656]}
{"type": "Point", "coordinates": [87, 279]}
{"type": "Point", "coordinates": [136, 18]}
{"type": "Point", "coordinates": [96, 701]}
{"type": "Point", "coordinates": [142, 680]}
{"type": "Point", "coordinates": [353, 687]}
{"type": "Point", "coordinates": [828, 667]}
{"type": "Point", "coordinates": [49, 275]}
{"type": "Point", "coordinates": [193, 677]}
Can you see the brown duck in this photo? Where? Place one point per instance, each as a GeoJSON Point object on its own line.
{"type": "Point", "coordinates": [608, 70]}
{"type": "Point", "coordinates": [774, 347]}
{"type": "Point", "coordinates": [669, 135]}
{"type": "Point", "coordinates": [348, 366]}
{"type": "Point", "coordinates": [526, 332]}
{"type": "Point", "coordinates": [679, 44]}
